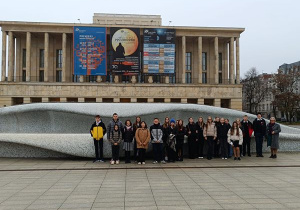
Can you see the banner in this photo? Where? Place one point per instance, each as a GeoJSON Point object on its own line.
{"type": "Point", "coordinates": [159, 51]}
{"type": "Point", "coordinates": [125, 50]}
{"type": "Point", "coordinates": [89, 50]}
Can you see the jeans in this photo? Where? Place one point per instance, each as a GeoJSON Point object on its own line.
{"type": "Point", "coordinates": [115, 152]}
{"type": "Point", "coordinates": [158, 151]}
{"type": "Point", "coordinates": [142, 154]}
{"type": "Point", "coordinates": [210, 148]}
{"type": "Point", "coordinates": [224, 147]}
{"type": "Point", "coordinates": [98, 149]}
{"type": "Point", "coordinates": [246, 145]}
{"type": "Point", "coordinates": [259, 143]}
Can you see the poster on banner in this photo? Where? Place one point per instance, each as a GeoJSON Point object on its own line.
{"type": "Point", "coordinates": [159, 51]}
{"type": "Point", "coordinates": [89, 50]}
{"type": "Point", "coordinates": [125, 50]}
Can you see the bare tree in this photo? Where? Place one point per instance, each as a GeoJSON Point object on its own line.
{"type": "Point", "coordinates": [286, 98]}
{"type": "Point", "coordinates": [254, 89]}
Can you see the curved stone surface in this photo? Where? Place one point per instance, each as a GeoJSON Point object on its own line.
{"type": "Point", "coordinates": [63, 128]}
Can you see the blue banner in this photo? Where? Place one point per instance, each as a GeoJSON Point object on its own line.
{"type": "Point", "coordinates": [159, 51]}
{"type": "Point", "coordinates": [89, 50]}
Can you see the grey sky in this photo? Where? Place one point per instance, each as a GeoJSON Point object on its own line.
{"type": "Point", "coordinates": [272, 26]}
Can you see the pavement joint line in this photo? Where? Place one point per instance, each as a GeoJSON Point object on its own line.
{"type": "Point", "coordinates": [143, 168]}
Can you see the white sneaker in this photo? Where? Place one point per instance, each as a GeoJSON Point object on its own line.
{"type": "Point", "coordinates": [163, 162]}
{"type": "Point", "coordinates": [155, 162]}
{"type": "Point", "coordinates": [200, 157]}
{"type": "Point", "coordinates": [112, 162]}
{"type": "Point", "coordinates": [143, 163]}
{"type": "Point", "coordinates": [117, 162]}
{"type": "Point", "coordinates": [166, 158]}
{"type": "Point", "coordinates": [223, 158]}
{"type": "Point", "coordinates": [139, 163]}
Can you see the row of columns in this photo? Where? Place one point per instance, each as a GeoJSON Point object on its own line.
{"type": "Point", "coordinates": [232, 79]}
{"type": "Point", "coordinates": [11, 56]}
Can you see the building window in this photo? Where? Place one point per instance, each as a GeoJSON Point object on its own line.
{"type": "Point", "coordinates": [204, 77]}
{"type": "Point", "coordinates": [41, 77]}
{"type": "Point", "coordinates": [188, 77]}
{"type": "Point", "coordinates": [204, 61]}
{"type": "Point", "coordinates": [24, 58]}
{"type": "Point", "coordinates": [59, 59]}
{"type": "Point", "coordinates": [220, 61]}
{"type": "Point", "coordinates": [220, 78]}
{"type": "Point", "coordinates": [58, 76]}
{"type": "Point", "coordinates": [23, 75]}
{"type": "Point", "coordinates": [42, 58]}
{"type": "Point", "coordinates": [188, 61]}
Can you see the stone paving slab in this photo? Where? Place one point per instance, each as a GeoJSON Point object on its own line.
{"type": "Point", "coordinates": [160, 187]}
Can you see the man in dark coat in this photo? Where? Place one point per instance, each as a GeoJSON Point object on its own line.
{"type": "Point", "coordinates": [247, 128]}
{"type": "Point", "coordinates": [259, 127]}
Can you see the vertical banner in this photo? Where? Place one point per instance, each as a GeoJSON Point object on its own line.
{"type": "Point", "coordinates": [125, 50]}
{"type": "Point", "coordinates": [159, 51]}
{"type": "Point", "coordinates": [89, 50]}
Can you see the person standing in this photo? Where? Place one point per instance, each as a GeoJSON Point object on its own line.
{"type": "Point", "coordinates": [210, 135]}
{"type": "Point", "coordinates": [136, 125]}
{"type": "Point", "coordinates": [273, 130]}
{"type": "Point", "coordinates": [235, 138]}
{"type": "Point", "coordinates": [97, 131]}
{"type": "Point", "coordinates": [222, 131]}
{"type": "Point", "coordinates": [259, 127]}
{"type": "Point", "coordinates": [230, 150]}
{"type": "Point", "coordinates": [142, 136]}
{"type": "Point", "coordinates": [181, 131]}
{"type": "Point", "coordinates": [115, 139]}
{"type": "Point", "coordinates": [115, 121]}
{"type": "Point", "coordinates": [191, 130]}
{"type": "Point", "coordinates": [200, 140]}
{"type": "Point", "coordinates": [128, 135]}
{"type": "Point", "coordinates": [165, 128]}
{"type": "Point", "coordinates": [217, 140]}
{"type": "Point", "coordinates": [171, 142]}
{"type": "Point", "coordinates": [157, 142]}
{"type": "Point", "coordinates": [247, 128]}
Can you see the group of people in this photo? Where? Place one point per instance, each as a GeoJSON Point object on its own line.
{"type": "Point", "coordinates": [221, 138]}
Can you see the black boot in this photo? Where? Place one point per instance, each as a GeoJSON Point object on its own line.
{"type": "Point", "coordinates": [272, 156]}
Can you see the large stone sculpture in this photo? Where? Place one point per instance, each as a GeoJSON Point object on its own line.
{"type": "Point", "coordinates": [62, 129]}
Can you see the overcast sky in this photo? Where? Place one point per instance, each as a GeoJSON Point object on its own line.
{"type": "Point", "coordinates": [271, 38]}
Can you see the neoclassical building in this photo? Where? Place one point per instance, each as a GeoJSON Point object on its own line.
{"type": "Point", "coordinates": [38, 65]}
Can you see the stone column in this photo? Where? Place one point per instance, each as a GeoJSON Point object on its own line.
{"type": "Point", "coordinates": [237, 48]}
{"type": "Point", "coordinates": [183, 57]}
{"type": "Point", "coordinates": [216, 44]}
{"type": "Point", "coordinates": [200, 59]}
{"type": "Point", "coordinates": [11, 59]}
{"type": "Point", "coordinates": [46, 58]}
{"type": "Point", "coordinates": [226, 63]}
{"type": "Point", "coordinates": [167, 79]}
{"type": "Point", "coordinates": [28, 56]}
{"type": "Point", "coordinates": [64, 56]}
{"type": "Point", "coordinates": [3, 62]}
{"type": "Point", "coordinates": [231, 61]}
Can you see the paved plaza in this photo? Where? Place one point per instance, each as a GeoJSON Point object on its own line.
{"type": "Point", "coordinates": [253, 183]}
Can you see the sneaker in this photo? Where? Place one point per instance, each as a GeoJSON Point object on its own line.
{"type": "Point", "coordinates": [112, 162]}
{"type": "Point", "coordinates": [102, 161]}
{"type": "Point", "coordinates": [239, 158]}
{"type": "Point", "coordinates": [166, 158]}
{"type": "Point", "coordinates": [143, 163]}
{"type": "Point", "coordinates": [272, 156]}
{"type": "Point", "coordinates": [155, 162]}
{"type": "Point", "coordinates": [163, 162]}
{"type": "Point", "coordinates": [225, 158]}
{"type": "Point", "coordinates": [200, 157]}
{"type": "Point", "coordinates": [139, 163]}
{"type": "Point", "coordinates": [94, 161]}
{"type": "Point", "coordinates": [117, 162]}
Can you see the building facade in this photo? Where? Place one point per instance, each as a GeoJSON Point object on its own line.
{"type": "Point", "coordinates": [38, 66]}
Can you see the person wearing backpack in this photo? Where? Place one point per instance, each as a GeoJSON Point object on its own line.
{"type": "Point", "coordinates": [115, 140]}
{"type": "Point", "coordinates": [97, 131]}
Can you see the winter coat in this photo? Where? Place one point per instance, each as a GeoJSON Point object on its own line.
{"type": "Point", "coordinates": [277, 129]}
{"type": "Point", "coordinates": [97, 131]}
{"type": "Point", "coordinates": [247, 128]}
{"type": "Point", "coordinates": [111, 126]}
{"type": "Point", "coordinates": [222, 131]}
{"type": "Point", "coordinates": [200, 131]}
{"type": "Point", "coordinates": [156, 133]}
{"type": "Point", "coordinates": [210, 130]}
{"type": "Point", "coordinates": [142, 135]}
{"type": "Point", "coordinates": [259, 126]}
{"type": "Point", "coordinates": [115, 137]}
{"type": "Point", "coordinates": [128, 134]}
{"type": "Point", "coordinates": [235, 137]}
{"type": "Point", "coordinates": [180, 135]}
{"type": "Point", "coordinates": [194, 132]}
